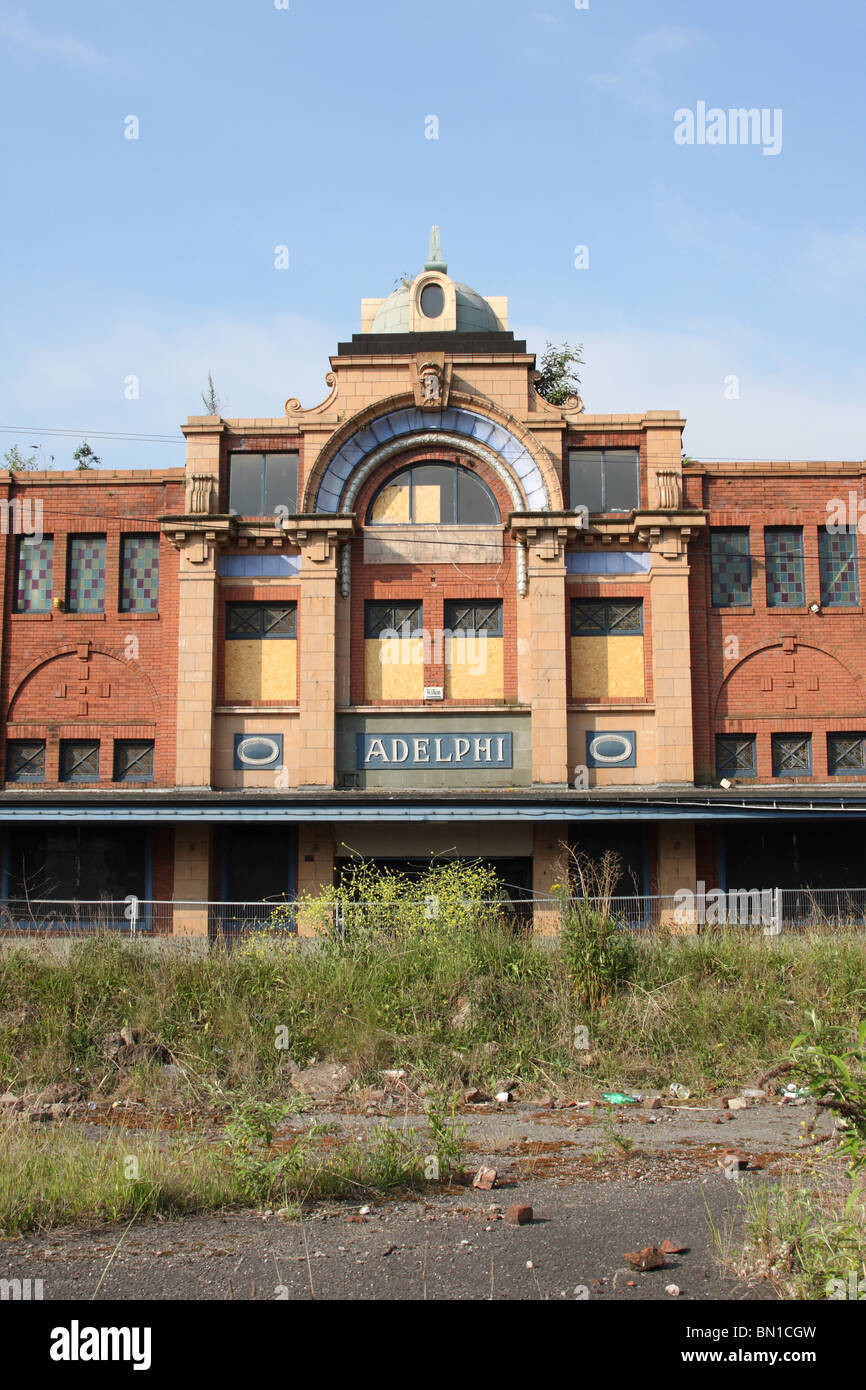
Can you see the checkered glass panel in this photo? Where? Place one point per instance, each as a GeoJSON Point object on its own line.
{"type": "Point", "coordinates": [139, 574]}
{"type": "Point", "coordinates": [730, 567]}
{"type": "Point", "coordinates": [784, 552]}
{"type": "Point", "coordinates": [35, 574]}
{"type": "Point", "coordinates": [837, 561]}
{"type": "Point", "coordinates": [86, 592]}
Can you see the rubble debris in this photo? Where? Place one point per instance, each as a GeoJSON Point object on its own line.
{"type": "Point", "coordinates": [475, 1097]}
{"type": "Point", "coordinates": [673, 1290]}
{"type": "Point", "coordinates": [133, 1045]}
{"type": "Point", "coordinates": [504, 1097]}
{"type": "Point", "coordinates": [485, 1179]}
{"type": "Point", "coordinates": [324, 1079]}
{"type": "Point", "coordinates": [669, 1247]}
{"type": "Point", "coordinates": [652, 1102]}
{"type": "Point", "coordinates": [679, 1091]}
{"type": "Point", "coordinates": [648, 1258]}
{"type": "Point", "coordinates": [618, 1098]}
{"type": "Point", "coordinates": [518, 1215]}
{"type": "Point", "coordinates": [738, 1103]}
{"type": "Point", "coordinates": [733, 1160]}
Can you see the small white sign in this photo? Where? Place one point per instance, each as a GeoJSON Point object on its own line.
{"type": "Point", "coordinates": [434, 692]}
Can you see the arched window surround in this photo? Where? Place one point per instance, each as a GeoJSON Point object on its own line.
{"type": "Point", "coordinates": [465, 495]}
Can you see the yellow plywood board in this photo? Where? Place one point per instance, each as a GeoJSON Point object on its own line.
{"type": "Point", "coordinates": [427, 503]}
{"type": "Point", "coordinates": [392, 504]}
{"type": "Point", "coordinates": [259, 670]}
{"type": "Point", "coordinates": [607, 668]}
{"type": "Point", "coordinates": [394, 668]}
{"type": "Point", "coordinates": [476, 669]}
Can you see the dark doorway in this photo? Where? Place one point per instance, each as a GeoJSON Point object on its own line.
{"type": "Point", "coordinates": [87, 863]}
{"type": "Point", "coordinates": [627, 841]}
{"type": "Point", "coordinates": [823, 854]}
{"type": "Point", "coordinates": [258, 862]}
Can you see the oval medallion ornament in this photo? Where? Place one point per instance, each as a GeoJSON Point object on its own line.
{"type": "Point", "coordinates": [258, 752]}
{"type": "Point", "coordinates": [611, 748]}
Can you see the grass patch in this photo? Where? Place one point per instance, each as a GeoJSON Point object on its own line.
{"type": "Point", "coordinates": [712, 1012]}
{"type": "Point", "coordinates": [59, 1176]}
{"type": "Point", "coordinates": [806, 1238]}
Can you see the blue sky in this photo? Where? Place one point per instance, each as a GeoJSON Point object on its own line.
{"type": "Point", "coordinates": [305, 127]}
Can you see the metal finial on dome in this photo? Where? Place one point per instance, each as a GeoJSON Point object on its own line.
{"type": "Point", "coordinates": [434, 259]}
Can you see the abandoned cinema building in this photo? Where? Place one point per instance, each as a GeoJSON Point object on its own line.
{"type": "Point", "coordinates": [433, 614]}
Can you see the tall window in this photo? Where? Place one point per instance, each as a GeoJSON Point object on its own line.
{"type": "Point", "coordinates": [730, 567]}
{"type": "Point", "coordinates": [139, 574]}
{"type": "Point", "coordinates": [434, 494]}
{"type": "Point", "coordinates": [35, 577]}
{"type": "Point", "coordinates": [837, 565]}
{"type": "Point", "coordinates": [783, 548]}
{"type": "Point", "coordinates": [259, 483]}
{"type": "Point", "coordinates": [604, 480]}
{"type": "Point", "coordinates": [85, 586]}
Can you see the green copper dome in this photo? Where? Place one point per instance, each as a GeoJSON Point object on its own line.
{"type": "Point", "coordinates": [473, 313]}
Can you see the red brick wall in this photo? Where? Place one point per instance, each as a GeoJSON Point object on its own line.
{"type": "Point", "coordinates": [107, 676]}
{"type": "Point", "coordinates": [791, 671]}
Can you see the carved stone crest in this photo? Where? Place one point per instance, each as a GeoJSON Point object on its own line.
{"type": "Point", "coordinates": [430, 380]}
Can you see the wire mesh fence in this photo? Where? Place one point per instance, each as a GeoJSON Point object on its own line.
{"type": "Point", "coordinates": [769, 910]}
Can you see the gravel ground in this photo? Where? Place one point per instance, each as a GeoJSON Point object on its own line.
{"type": "Point", "coordinates": [592, 1201]}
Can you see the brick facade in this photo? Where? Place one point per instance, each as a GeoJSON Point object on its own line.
{"type": "Point", "coordinates": [620, 754]}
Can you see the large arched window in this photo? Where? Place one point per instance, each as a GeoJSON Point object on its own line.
{"type": "Point", "coordinates": [433, 494]}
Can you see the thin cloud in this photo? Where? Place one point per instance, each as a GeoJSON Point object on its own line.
{"type": "Point", "coordinates": [17, 31]}
{"type": "Point", "coordinates": [771, 416]}
{"type": "Point", "coordinates": [641, 76]}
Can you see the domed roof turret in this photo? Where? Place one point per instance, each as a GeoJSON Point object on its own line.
{"type": "Point", "coordinates": [434, 303]}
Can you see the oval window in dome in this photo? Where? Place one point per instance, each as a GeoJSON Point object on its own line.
{"type": "Point", "coordinates": [432, 301]}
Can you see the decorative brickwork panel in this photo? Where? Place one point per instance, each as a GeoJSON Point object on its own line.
{"type": "Point", "coordinates": [783, 547]}
{"type": "Point", "coordinates": [837, 562]}
{"type": "Point", "coordinates": [730, 567]}
{"type": "Point", "coordinates": [86, 576]}
{"type": "Point", "coordinates": [35, 575]}
{"type": "Point", "coordinates": [139, 574]}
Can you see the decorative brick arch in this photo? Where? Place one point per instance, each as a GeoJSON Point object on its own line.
{"type": "Point", "coordinates": [823, 685]}
{"type": "Point", "coordinates": [383, 431]}
{"type": "Point", "coordinates": [51, 689]}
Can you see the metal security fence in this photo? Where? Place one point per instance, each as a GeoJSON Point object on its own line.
{"type": "Point", "coordinates": [771, 911]}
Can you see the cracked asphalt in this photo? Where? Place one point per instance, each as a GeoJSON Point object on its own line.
{"type": "Point", "coordinates": [593, 1196]}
